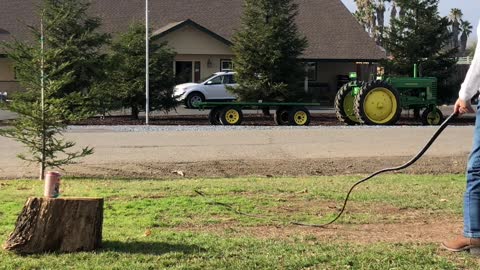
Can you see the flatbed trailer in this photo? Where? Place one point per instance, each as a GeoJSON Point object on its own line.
{"type": "Point", "coordinates": [230, 113]}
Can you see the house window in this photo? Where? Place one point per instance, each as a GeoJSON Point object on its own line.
{"type": "Point", "coordinates": [226, 65]}
{"type": "Point", "coordinates": [311, 71]}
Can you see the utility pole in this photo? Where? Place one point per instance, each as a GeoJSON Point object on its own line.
{"type": "Point", "coordinates": [147, 67]}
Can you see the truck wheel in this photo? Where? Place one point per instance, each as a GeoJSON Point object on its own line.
{"type": "Point", "coordinates": [432, 116]}
{"type": "Point", "coordinates": [299, 116]}
{"type": "Point", "coordinates": [214, 116]}
{"type": "Point", "coordinates": [344, 105]}
{"type": "Point", "coordinates": [231, 116]}
{"type": "Point", "coordinates": [378, 103]}
{"type": "Point", "coordinates": [192, 98]}
{"type": "Point", "coordinates": [281, 116]}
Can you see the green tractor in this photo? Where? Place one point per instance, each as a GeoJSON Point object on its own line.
{"type": "Point", "coordinates": [380, 102]}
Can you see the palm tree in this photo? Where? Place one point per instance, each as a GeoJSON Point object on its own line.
{"type": "Point", "coordinates": [455, 17]}
{"type": "Point", "coordinates": [371, 14]}
{"type": "Point", "coordinates": [380, 10]}
{"type": "Point", "coordinates": [365, 14]}
{"type": "Point", "coordinates": [466, 28]}
{"type": "Point", "coordinates": [394, 11]}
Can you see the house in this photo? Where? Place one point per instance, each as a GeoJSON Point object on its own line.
{"type": "Point", "coordinates": [200, 32]}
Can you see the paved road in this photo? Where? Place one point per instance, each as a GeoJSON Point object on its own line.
{"type": "Point", "coordinates": [6, 115]}
{"type": "Point", "coordinates": [197, 144]}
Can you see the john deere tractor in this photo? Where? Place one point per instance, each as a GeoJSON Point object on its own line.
{"type": "Point", "coordinates": [380, 102]}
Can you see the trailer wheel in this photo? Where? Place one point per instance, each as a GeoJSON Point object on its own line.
{"type": "Point", "coordinates": [231, 116]}
{"type": "Point", "coordinates": [281, 116]}
{"type": "Point", "coordinates": [344, 105]}
{"type": "Point", "coordinates": [432, 116]}
{"type": "Point", "coordinates": [378, 103]}
{"type": "Point", "coordinates": [299, 116]}
{"type": "Point", "coordinates": [214, 116]}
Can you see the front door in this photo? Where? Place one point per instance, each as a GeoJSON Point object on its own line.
{"type": "Point", "coordinates": [184, 71]}
{"type": "Point", "coordinates": [197, 71]}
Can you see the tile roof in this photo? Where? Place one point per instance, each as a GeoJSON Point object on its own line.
{"type": "Point", "coordinates": [333, 33]}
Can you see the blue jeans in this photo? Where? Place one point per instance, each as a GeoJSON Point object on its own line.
{"type": "Point", "coordinates": [471, 200]}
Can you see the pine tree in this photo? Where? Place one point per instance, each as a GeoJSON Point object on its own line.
{"type": "Point", "coordinates": [43, 113]}
{"type": "Point", "coordinates": [127, 72]}
{"type": "Point", "coordinates": [421, 37]}
{"type": "Point", "coordinates": [79, 31]}
{"type": "Point", "coordinates": [267, 48]}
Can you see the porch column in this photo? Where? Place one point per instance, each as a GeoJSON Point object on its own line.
{"type": "Point", "coordinates": [305, 83]}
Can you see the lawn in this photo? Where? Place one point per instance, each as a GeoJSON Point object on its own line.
{"type": "Point", "coordinates": [392, 222]}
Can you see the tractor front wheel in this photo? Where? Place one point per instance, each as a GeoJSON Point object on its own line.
{"type": "Point", "coordinates": [432, 116]}
{"type": "Point", "coordinates": [378, 103]}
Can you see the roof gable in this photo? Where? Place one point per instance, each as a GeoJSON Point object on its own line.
{"type": "Point", "coordinates": [178, 25]}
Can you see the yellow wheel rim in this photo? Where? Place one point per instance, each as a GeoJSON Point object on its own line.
{"type": "Point", "coordinates": [300, 118]}
{"type": "Point", "coordinates": [348, 107]}
{"type": "Point", "coordinates": [433, 118]}
{"type": "Point", "coordinates": [380, 105]}
{"type": "Point", "coordinates": [232, 116]}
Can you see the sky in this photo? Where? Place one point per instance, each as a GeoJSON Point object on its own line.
{"type": "Point", "coordinates": [470, 9]}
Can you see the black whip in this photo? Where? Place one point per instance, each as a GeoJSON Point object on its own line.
{"type": "Point", "coordinates": [398, 168]}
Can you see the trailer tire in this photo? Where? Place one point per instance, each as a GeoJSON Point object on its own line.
{"type": "Point", "coordinates": [378, 103]}
{"type": "Point", "coordinates": [281, 116]}
{"type": "Point", "coordinates": [432, 117]}
{"type": "Point", "coordinates": [231, 116]}
{"type": "Point", "coordinates": [345, 105]}
{"type": "Point", "coordinates": [214, 116]}
{"type": "Point", "coordinates": [299, 116]}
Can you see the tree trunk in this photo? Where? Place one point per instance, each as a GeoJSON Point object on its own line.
{"type": "Point", "coordinates": [57, 225]}
{"type": "Point", "coordinates": [135, 112]}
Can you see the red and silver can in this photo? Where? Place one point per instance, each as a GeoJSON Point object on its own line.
{"type": "Point", "coordinates": [52, 185]}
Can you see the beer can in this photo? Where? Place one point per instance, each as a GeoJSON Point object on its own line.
{"type": "Point", "coordinates": [52, 185]}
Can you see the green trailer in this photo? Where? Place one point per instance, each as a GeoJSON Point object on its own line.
{"type": "Point", "coordinates": [380, 102]}
{"type": "Point", "coordinates": [231, 113]}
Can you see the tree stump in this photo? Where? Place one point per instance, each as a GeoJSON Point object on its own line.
{"type": "Point", "coordinates": [57, 225]}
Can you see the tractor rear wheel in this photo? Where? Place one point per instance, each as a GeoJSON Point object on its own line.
{"type": "Point", "coordinates": [432, 116]}
{"type": "Point", "coordinates": [378, 103]}
{"type": "Point", "coordinates": [344, 105]}
{"type": "Point", "coordinates": [299, 116]}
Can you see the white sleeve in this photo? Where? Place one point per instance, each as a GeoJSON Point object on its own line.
{"type": "Point", "coordinates": [471, 85]}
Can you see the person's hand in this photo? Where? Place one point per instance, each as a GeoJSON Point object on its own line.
{"type": "Point", "coordinates": [462, 107]}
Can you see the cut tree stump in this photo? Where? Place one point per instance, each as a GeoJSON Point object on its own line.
{"type": "Point", "coordinates": [57, 225]}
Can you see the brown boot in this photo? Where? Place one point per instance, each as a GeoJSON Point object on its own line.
{"type": "Point", "coordinates": [461, 243]}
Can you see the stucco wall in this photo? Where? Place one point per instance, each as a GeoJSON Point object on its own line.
{"type": "Point", "coordinates": [6, 70]}
{"type": "Point", "coordinates": [190, 40]}
{"type": "Point", "coordinates": [205, 68]}
{"type": "Point", "coordinates": [7, 77]}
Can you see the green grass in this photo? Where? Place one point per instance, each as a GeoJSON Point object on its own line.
{"type": "Point", "coordinates": [172, 209]}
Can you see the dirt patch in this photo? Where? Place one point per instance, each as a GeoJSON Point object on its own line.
{"type": "Point", "coordinates": [417, 231]}
{"type": "Point", "coordinates": [264, 168]}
